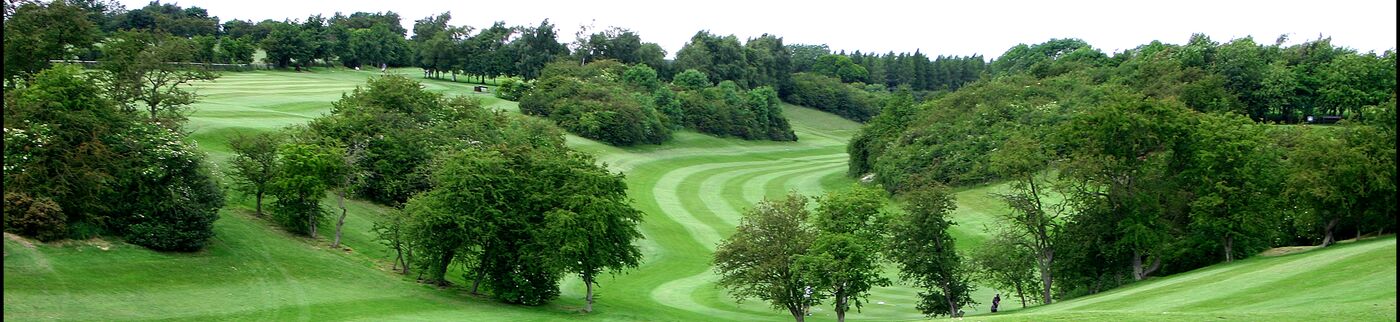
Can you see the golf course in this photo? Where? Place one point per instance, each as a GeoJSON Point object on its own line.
{"type": "Point", "coordinates": [692, 191]}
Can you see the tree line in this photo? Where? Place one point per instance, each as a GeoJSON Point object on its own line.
{"type": "Point", "coordinates": [625, 105]}
{"type": "Point", "coordinates": [1152, 161]}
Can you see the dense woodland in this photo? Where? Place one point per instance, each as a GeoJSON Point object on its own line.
{"type": "Point", "coordinates": [1150, 161]}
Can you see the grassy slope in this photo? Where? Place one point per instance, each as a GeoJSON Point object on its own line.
{"type": "Point", "coordinates": [1349, 282]}
{"type": "Point", "coordinates": [692, 189]}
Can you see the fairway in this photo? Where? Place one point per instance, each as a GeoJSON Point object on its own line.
{"type": "Point", "coordinates": [692, 189]}
{"type": "Point", "coordinates": [1348, 282]}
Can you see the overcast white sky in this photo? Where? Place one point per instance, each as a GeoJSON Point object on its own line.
{"type": "Point", "coordinates": [934, 27]}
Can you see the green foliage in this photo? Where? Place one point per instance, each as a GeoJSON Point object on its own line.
{"type": "Point", "coordinates": [759, 260]}
{"type": "Point", "coordinates": [513, 88]}
{"type": "Point", "coordinates": [829, 94]}
{"type": "Point", "coordinates": [235, 51]}
{"type": "Point", "coordinates": [594, 226]}
{"type": "Point", "coordinates": [728, 111]}
{"type": "Point", "coordinates": [951, 139]}
{"type": "Point", "coordinates": [1048, 59]}
{"type": "Point", "coordinates": [139, 69]}
{"type": "Point", "coordinates": [283, 44]}
{"type": "Point", "coordinates": [305, 173]}
{"type": "Point", "coordinates": [692, 79]}
{"type": "Point", "coordinates": [923, 250]}
{"type": "Point", "coordinates": [1234, 173]}
{"type": "Point", "coordinates": [804, 56]}
{"type": "Point", "coordinates": [844, 259]}
{"type": "Point", "coordinates": [520, 233]}
{"type": "Point", "coordinates": [37, 32]}
{"type": "Point", "coordinates": [58, 142]}
{"type": "Point", "coordinates": [1002, 264]}
{"type": "Point", "coordinates": [841, 67]}
{"type": "Point", "coordinates": [597, 108]}
{"type": "Point", "coordinates": [721, 58]}
{"type": "Point", "coordinates": [391, 121]}
{"type": "Point", "coordinates": [254, 163]}
{"type": "Point", "coordinates": [641, 78]}
{"type": "Point", "coordinates": [167, 18]}
{"type": "Point", "coordinates": [38, 217]}
{"type": "Point", "coordinates": [105, 171]}
{"type": "Point", "coordinates": [168, 194]}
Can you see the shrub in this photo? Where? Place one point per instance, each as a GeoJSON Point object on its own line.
{"type": "Point", "coordinates": [692, 80]}
{"type": "Point", "coordinates": [831, 95]}
{"type": "Point", "coordinates": [513, 88]}
{"type": "Point", "coordinates": [40, 217]}
{"type": "Point", "coordinates": [170, 200]}
{"type": "Point", "coordinates": [597, 110]}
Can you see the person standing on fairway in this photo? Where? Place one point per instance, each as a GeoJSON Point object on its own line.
{"type": "Point", "coordinates": [996, 300]}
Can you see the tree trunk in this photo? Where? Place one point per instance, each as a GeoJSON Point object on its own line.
{"type": "Point", "coordinates": [311, 220]}
{"type": "Point", "coordinates": [952, 304]}
{"type": "Point", "coordinates": [1140, 272]}
{"type": "Point", "coordinates": [339, 225]}
{"type": "Point", "coordinates": [1327, 231]}
{"type": "Point", "coordinates": [841, 309]}
{"type": "Point", "coordinates": [408, 257]}
{"type": "Point", "coordinates": [1021, 295]}
{"type": "Point", "coordinates": [259, 203]}
{"type": "Point", "coordinates": [588, 281]}
{"type": "Point", "coordinates": [476, 282]}
{"type": "Point", "coordinates": [797, 314]}
{"type": "Point", "coordinates": [1046, 278]}
{"type": "Point", "coordinates": [439, 274]}
{"type": "Point", "coordinates": [1229, 248]}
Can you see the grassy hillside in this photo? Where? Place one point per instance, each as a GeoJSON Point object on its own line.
{"type": "Point", "coordinates": [692, 190]}
{"type": "Point", "coordinates": [1348, 282]}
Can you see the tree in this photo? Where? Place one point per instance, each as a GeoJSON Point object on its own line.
{"type": "Point", "coordinates": [305, 172]}
{"type": "Point", "coordinates": [35, 33]}
{"type": "Point", "coordinates": [840, 66]}
{"type": "Point", "coordinates": [235, 51]}
{"type": "Point", "coordinates": [692, 79]}
{"type": "Point", "coordinates": [72, 159]}
{"type": "Point", "coordinates": [1327, 176]}
{"type": "Point", "coordinates": [1234, 173]}
{"type": "Point", "coordinates": [254, 163]}
{"type": "Point", "coordinates": [58, 146]}
{"type": "Point", "coordinates": [653, 55]}
{"type": "Point", "coordinates": [804, 56]}
{"type": "Point", "coordinates": [1003, 263]}
{"type": "Point", "coordinates": [720, 58]}
{"type": "Point", "coordinates": [922, 248]}
{"type": "Point", "coordinates": [145, 68]}
{"type": "Point", "coordinates": [1121, 154]}
{"type": "Point", "coordinates": [204, 48]}
{"type": "Point", "coordinates": [770, 63]}
{"type": "Point", "coordinates": [1033, 222]}
{"type": "Point", "coordinates": [758, 260]}
{"type": "Point", "coordinates": [594, 227]}
{"type": "Point", "coordinates": [844, 260]}
{"type": "Point", "coordinates": [539, 46]}
{"type": "Point", "coordinates": [352, 155]}
{"type": "Point", "coordinates": [283, 44]}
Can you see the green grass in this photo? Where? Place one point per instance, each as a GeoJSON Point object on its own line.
{"type": "Point", "coordinates": [692, 189]}
{"type": "Point", "coordinates": [1348, 282]}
